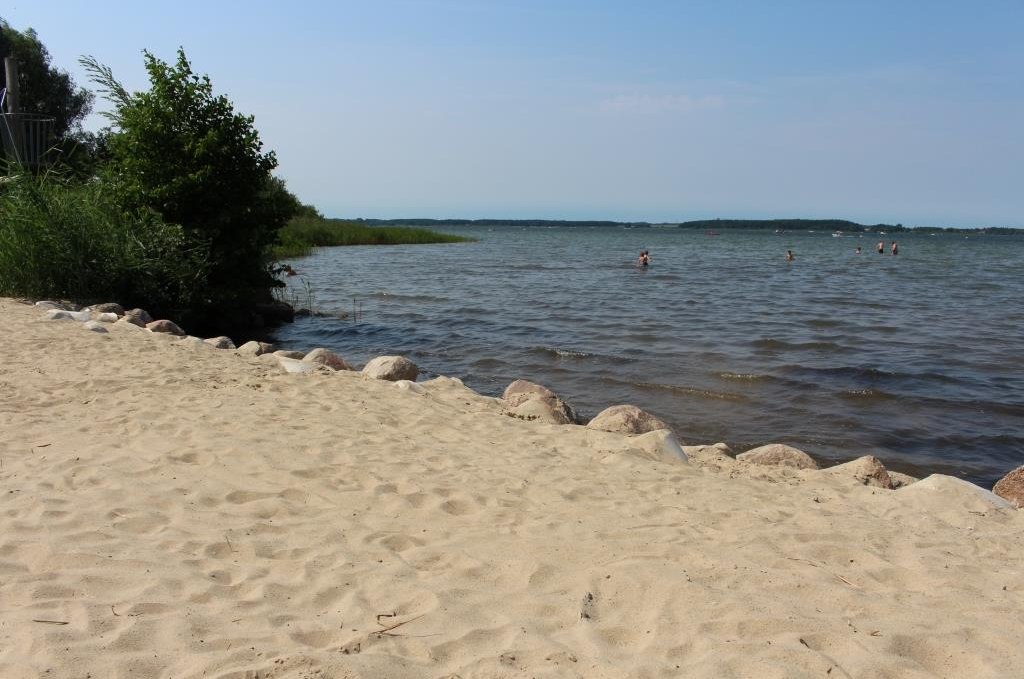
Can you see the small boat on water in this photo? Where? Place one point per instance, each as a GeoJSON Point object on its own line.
{"type": "Point", "coordinates": [837, 234]}
{"type": "Point", "coordinates": [713, 233]}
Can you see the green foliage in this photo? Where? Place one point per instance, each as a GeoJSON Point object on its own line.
{"type": "Point", "coordinates": [61, 239]}
{"type": "Point", "coordinates": [302, 234]}
{"type": "Point", "coordinates": [182, 151]}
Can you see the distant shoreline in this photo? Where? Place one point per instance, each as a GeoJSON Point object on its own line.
{"type": "Point", "coordinates": [702, 224]}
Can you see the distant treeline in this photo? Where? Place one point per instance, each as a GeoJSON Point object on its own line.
{"type": "Point", "coordinates": [704, 224]}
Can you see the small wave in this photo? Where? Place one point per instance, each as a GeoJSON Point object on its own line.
{"type": "Point", "coordinates": [868, 395]}
{"type": "Point", "coordinates": [780, 345]}
{"type": "Point", "coordinates": [398, 297]}
{"type": "Point", "coordinates": [747, 377]}
{"type": "Point", "coordinates": [562, 353]}
{"type": "Point", "coordinates": [691, 391]}
{"type": "Point", "coordinates": [824, 323]}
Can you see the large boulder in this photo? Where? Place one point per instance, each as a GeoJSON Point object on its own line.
{"type": "Point", "coordinates": [47, 305]}
{"type": "Point", "coordinates": [626, 419]}
{"type": "Point", "coordinates": [1011, 487]}
{"type": "Point", "coordinates": [107, 308]}
{"type": "Point", "coordinates": [254, 348]}
{"type": "Point", "coordinates": [325, 357]}
{"type": "Point", "coordinates": [867, 471]}
{"type": "Point", "coordinates": [550, 409]}
{"type": "Point", "coordinates": [524, 390]}
{"type": "Point", "coordinates": [778, 455]}
{"type": "Point", "coordinates": [391, 368]}
{"type": "Point", "coordinates": [165, 326]}
{"type": "Point", "coordinates": [939, 491]}
{"type": "Point", "coordinates": [222, 342]}
{"type": "Point", "coordinates": [139, 317]}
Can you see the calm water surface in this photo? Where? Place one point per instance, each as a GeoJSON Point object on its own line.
{"type": "Point", "coordinates": [917, 358]}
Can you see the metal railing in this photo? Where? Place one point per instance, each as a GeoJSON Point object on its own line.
{"type": "Point", "coordinates": [27, 138]}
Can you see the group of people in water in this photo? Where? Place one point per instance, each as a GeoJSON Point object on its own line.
{"type": "Point", "coordinates": [644, 260]}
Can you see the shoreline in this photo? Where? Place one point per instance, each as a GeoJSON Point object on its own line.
{"type": "Point", "coordinates": [175, 509]}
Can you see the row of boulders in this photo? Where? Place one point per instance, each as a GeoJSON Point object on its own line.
{"type": "Point", "coordinates": [530, 401]}
{"type": "Point", "coordinates": [392, 368]}
{"type": "Point", "coordinates": [522, 399]}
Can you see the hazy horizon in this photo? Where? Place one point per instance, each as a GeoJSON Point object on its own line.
{"type": "Point", "coordinates": [868, 111]}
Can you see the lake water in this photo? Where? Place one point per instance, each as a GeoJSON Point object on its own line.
{"type": "Point", "coordinates": [916, 358]}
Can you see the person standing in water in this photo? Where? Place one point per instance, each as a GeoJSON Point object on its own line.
{"type": "Point", "coordinates": [895, 248]}
{"type": "Point", "coordinates": [789, 256]}
{"type": "Point", "coordinates": [644, 260]}
{"type": "Point", "coordinates": [857, 251]}
{"type": "Point", "coordinates": [881, 247]}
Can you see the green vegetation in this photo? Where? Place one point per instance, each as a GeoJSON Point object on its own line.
{"type": "Point", "coordinates": [63, 239]}
{"type": "Point", "coordinates": [304, 233]}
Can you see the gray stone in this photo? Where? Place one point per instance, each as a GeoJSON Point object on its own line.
{"type": "Point", "coordinates": [286, 353]}
{"type": "Point", "coordinates": [901, 480]}
{"type": "Point", "coordinates": [94, 326]}
{"type": "Point", "coordinates": [1011, 487]}
{"type": "Point", "coordinates": [391, 368]}
{"type": "Point", "coordinates": [867, 471]}
{"type": "Point", "coordinates": [549, 409]}
{"type": "Point", "coordinates": [626, 419]}
{"type": "Point", "coordinates": [523, 390]}
{"type": "Point", "coordinates": [254, 348]}
{"type": "Point", "coordinates": [139, 317]}
{"type": "Point", "coordinates": [107, 308]}
{"type": "Point", "coordinates": [779, 455]}
{"type": "Point", "coordinates": [61, 315]}
{"type": "Point", "coordinates": [325, 357]}
{"type": "Point", "coordinates": [165, 326]}
{"type": "Point", "coordinates": [222, 342]}
{"type": "Point", "coordinates": [104, 316]}
{"type": "Point", "coordinates": [950, 490]}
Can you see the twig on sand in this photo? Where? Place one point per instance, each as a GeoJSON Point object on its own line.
{"type": "Point", "coordinates": [387, 630]}
{"type": "Point", "coordinates": [228, 540]}
{"type": "Point", "coordinates": [52, 622]}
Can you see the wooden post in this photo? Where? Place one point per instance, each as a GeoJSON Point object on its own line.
{"type": "Point", "coordinates": [11, 72]}
{"type": "Point", "coordinates": [13, 123]}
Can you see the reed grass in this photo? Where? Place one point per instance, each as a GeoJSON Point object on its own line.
{"type": "Point", "coordinates": [62, 239]}
{"type": "Point", "coordinates": [302, 234]}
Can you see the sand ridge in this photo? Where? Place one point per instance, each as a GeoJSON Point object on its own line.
{"type": "Point", "coordinates": [168, 510]}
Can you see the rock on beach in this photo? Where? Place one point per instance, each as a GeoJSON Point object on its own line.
{"type": "Point", "coordinates": [867, 470]}
{"type": "Point", "coordinates": [626, 419]}
{"type": "Point", "coordinates": [139, 317]}
{"type": "Point", "coordinates": [254, 348]}
{"type": "Point", "coordinates": [529, 400]}
{"type": "Point", "coordinates": [779, 455]}
{"type": "Point", "coordinates": [325, 357]}
{"type": "Point", "coordinates": [391, 368]}
{"type": "Point", "coordinates": [108, 308]}
{"type": "Point", "coordinates": [1011, 487]}
{"type": "Point", "coordinates": [165, 326]}
{"type": "Point", "coordinates": [221, 342]}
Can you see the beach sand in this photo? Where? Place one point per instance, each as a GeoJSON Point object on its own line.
{"type": "Point", "coordinates": [168, 510]}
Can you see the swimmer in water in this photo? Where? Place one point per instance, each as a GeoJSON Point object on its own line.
{"type": "Point", "coordinates": [881, 247]}
{"type": "Point", "coordinates": [789, 256]}
{"type": "Point", "coordinates": [895, 248]}
{"type": "Point", "coordinates": [644, 260]}
{"type": "Point", "coordinates": [857, 251]}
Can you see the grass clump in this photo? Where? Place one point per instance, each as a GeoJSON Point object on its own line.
{"type": "Point", "coordinates": [302, 234]}
{"type": "Point", "coordinates": [62, 239]}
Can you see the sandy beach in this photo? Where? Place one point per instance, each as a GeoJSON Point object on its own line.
{"type": "Point", "coordinates": [169, 509]}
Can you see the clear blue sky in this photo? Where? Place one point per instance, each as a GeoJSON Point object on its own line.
{"type": "Point", "coordinates": [908, 112]}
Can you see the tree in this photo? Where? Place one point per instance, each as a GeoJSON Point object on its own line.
{"type": "Point", "coordinates": [45, 89]}
{"type": "Point", "coordinates": [182, 151]}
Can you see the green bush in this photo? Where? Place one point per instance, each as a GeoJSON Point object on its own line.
{"type": "Point", "coordinates": [70, 240]}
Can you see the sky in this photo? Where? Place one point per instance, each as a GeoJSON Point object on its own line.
{"type": "Point", "coordinates": [881, 112]}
